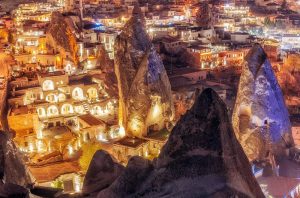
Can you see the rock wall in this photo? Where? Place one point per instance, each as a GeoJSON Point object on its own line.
{"type": "Point", "coordinates": [61, 36]}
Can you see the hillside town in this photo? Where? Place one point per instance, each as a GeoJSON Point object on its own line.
{"type": "Point", "coordinates": [128, 78]}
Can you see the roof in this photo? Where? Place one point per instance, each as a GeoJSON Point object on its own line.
{"type": "Point", "coordinates": [91, 120]}
{"type": "Point", "coordinates": [55, 73]}
{"type": "Point", "coordinates": [52, 171]}
{"type": "Point", "coordinates": [131, 142]}
{"type": "Point", "coordinates": [161, 135]}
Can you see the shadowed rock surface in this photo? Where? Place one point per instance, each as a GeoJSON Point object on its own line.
{"type": "Point", "coordinates": [106, 65]}
{"type": "Point", "coordinates": [13, 169]}
{"type": "Point", "coordinates": [13, 191]}
{"type": "Point", "coordinates": [202, 158]}
{"type": "Point", "coordinates": [101, 173]}
{"type": "Point", "coordinates": [260, 118]}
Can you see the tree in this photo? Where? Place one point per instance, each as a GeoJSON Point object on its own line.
{"type": "Point", "coordinates": [88, 151]}
{"type": "Point", "coordinates": [57, 184]}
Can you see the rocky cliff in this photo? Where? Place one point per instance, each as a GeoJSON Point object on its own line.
{"type": "Point", "coordinates": [142, 79]}
{"type": "Point", "coordinates": [12, 167]}
{"type": "Point", "coordinates": [62, 36]}
{"type": "Point", "coordinates": [202, 158]}
{"type": "Point", "coordinates": [106, 66]}
{"type": "Point", "coordinates": [260, 118]}
{"type": "Point", "coordinates": [14, 177]}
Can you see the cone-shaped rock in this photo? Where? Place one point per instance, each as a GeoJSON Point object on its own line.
{"type": "Point", "coordinates": [260, 118]}
{"type": "Point", "coordinates": [101, 173]}
{"type": "Point", "coordinates": [142, 79]}
{"type": "Point", "coordinates": [150, 97]}
{"type": "Point", "coordinates": [202, 158]}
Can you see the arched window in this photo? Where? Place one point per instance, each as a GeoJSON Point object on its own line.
{"type": "Point", "coordinates": [92, 93]}
{"type": "Point", "coordinates": [52, 111]}
{"type": "Point", "coordinates": [67, 109]}
{"type": "Point", "coordinates": [79, 109]}
{"type": "Point", "coordinates": [51, 98]}
{"type": "Point", "coordinates": [96, 110]}
{"type": "Point", "coordinates": [61, 97]}
{"type": "Point", "coordinates": [77, 94]}
{"type": "Point", "coordinates": [41, 112]}
{"type": "Point", "coordinates": [48, 85]}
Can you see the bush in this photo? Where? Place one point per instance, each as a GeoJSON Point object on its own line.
{"type": "Point", "coordinates": [88, 151]}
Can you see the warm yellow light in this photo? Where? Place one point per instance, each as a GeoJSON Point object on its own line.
{"type": "Point", "coordinates": [30, 147]}
{"type": "Point", "coordinates": [146, 153]}
{"type": "Point", "coordinates": [77, 183]}
{"type": "Point", "coordinates": [70, 149]}
{"type": "Point", "coordinates": [156, 110]}
{"type": "Point", "coordinates": [122, 132]}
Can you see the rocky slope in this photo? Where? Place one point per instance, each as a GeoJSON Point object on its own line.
{"type": "Point", "coordinates": [260, 118]}
{"type": "Point", "coordinates": [62, 36]}
{"type": "Point", "coordinates": [202, 158]}
{"type": "Point", "coordinates": [106, 66]}
{"type": "Point", "coordinates": [142, 78]}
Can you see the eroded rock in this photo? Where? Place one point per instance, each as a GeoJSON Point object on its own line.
{"type": "Point", "coordinates": [202, 158]}
{"type": "Point", "coordinates": [142, 79]}
{"type": "Point", "coordinates": [101, 173]}
{"type": "Point", "coordinates": [260, 118]}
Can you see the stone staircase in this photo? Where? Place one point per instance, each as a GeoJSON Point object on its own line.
{"type": "Point", "coordinates": [86, 106]}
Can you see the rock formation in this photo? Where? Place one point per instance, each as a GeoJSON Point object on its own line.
{"type": "Point", "coordinates": [13, 169]}
{"type": "Point", "coordinates": [106, 66]}
{"type": "Point", "coordinates": [142, 79]}
{"type": "Point", "coordinates": [61, 36]}
{"type": "Point", "coordinates": [260, 118]}
{"type": "Point", "coordinates": [202, 158]}
{"type": "Point", "coordinates": [104, 63]}
{"type": "Point", "coordinates": [101, 173]}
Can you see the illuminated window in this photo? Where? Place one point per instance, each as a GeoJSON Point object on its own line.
{"type": "Point", "coordinates": [48, 85]}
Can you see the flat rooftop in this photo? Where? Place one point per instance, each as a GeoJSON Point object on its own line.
{"type": "Point", "coordinates": [131, 142]}
{"type": "Point", "coordinates": [52, 171]}
{"type": "Point", "coordinates": [91, 120]}
{"type": "Point", "coordinates": [21, 110]}
{"type": "Point", "coordinates": [49, 74]}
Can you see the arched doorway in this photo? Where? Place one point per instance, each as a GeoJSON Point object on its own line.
{"type": "Point", "coordinates": [92, 93]}
{"type": "Point", "coordinates": [67, 109]}
{"type": "Point", "coordinates": [52, 111]}
{"type": "Point", "coordinates": [77, 94]}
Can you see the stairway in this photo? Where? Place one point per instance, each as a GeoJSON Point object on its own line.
{"type": "Point", "coordinates": [86, 106]}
